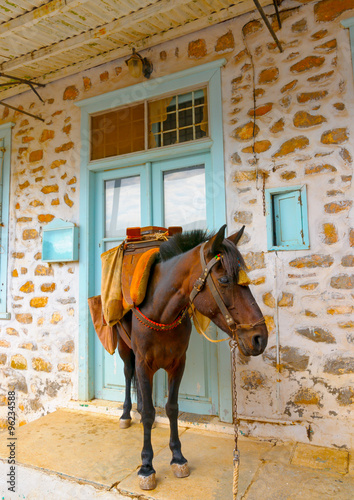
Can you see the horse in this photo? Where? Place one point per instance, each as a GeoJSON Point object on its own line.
{"type": "Point", "coordinates": [193, 267]}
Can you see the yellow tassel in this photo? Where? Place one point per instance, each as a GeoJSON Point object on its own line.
{"type": "Point", "coordinates": [243, 278]}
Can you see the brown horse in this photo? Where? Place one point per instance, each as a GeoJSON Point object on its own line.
{"type": "Point", "coordinates": [192, 267]}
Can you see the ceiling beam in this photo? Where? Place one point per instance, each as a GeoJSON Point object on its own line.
{"type": "Point", "coordinates": [29, 19]}
{"type": "Point", "coordinates": [123, 23]}
{"type": "Point", "coordinates": [238, 9]}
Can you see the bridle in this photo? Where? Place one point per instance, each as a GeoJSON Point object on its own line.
{"type": "Point", "coordinates": [204, 278]}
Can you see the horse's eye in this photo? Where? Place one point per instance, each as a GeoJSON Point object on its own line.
{"type": "Point", "coordinates": [224, 280]}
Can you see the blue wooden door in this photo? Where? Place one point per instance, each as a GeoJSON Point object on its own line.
{"type": "Point", "coordinates": [166, 193]}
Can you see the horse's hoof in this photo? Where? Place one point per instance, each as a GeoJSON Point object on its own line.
{"type": "Point", "coordinates": [147, 482]}
{"type": "Point", "coordinates": [181, 470]}
{"type": "Point", "coordinates": [124, 423]}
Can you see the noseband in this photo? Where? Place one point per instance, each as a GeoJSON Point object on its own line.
{"type": "Point", "coordinates": [206, 278]}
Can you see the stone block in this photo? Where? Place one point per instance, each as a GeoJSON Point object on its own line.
{"type": "Point", "coordinates": [54, 188]}
{"type": "Point", "coordinates": [347, 157]}
{"type": "Point", "coordinates": [302, 119]}
{"type": "Point", "coordinates": [30, 346]}
{"type": "Point", "coordinates": [197, 49]}
{"type": "Point", "coordinates": [320, 169]}
{"type": "Point", "coordinates": [246, 132]}
{"type": "Point", "coordinates": [225, 42]}
{"type": "Point", "coordinates": [307, 63]}
{"type": "Point", "coordinates": [47, 135]}
{"type": "Point", "coordinates": [334, 310]}
{"type": "Point", "coordinates": [258, 147]}
{"type": "Point", "coordinates": [243, 217]}
{"type": "Point", "coordinates": [307, 397]}
{"type": "Point", "coordinates": [278, 126]}
{"type": "Point", "coordinates": [268, 75]}
{"type": "Point", "coordinates": [261, 110]}
{"type": "Point", "coordinates": [39, 302]}
{"type": "Point", "coordinates": [12, 331]}
{"type": "Point", "coordinates": [335, 136]}
{"type": "Point", "coordinates": [24, 185]}
{"type": "Point", "coordinates": [305, 97]}
{"type": "Point", "coordinates": [252, 380]}
{"type": "Point", "coordinates": [42, 270]}
{"type": "Point", "coordinates": [40, 365]}
{"type": "Point", "coordinates": [319, 34]}
{"type": "Point", "coordinates": [27, 287]}
{"type": "Point", "coordinates": [65, 367]}
{"type": "Point", "coordinates": [4, 343]}
{"type": "Point", "coordinates": [268, 299]}
{"type": "Point", "coordinates": [30, 234]}
{"type": "Point", "coordinates": [299, 26]}
{"type": "Point", "coordinates": [317, 334]}
{"type": "Point", "coordinates": [292, 145]}
{"type": "Point", "coordinates": [254, 260]}
{"type": "Point", "coordinates": [44, 218]}
{"type": "Point", "coordinates": [343, 282]}
{"type": "Point", "coordinates": [291, 358]}
{"type": "Point", "coordinates": [18, 362]}
{"type": "Point", "coordinates": [68, 346]}
{"type": "Point", "coordinates": [57, 163]}
{"type": "Point", "coordinates": [252, 27]}
{"type": "Point", "coordinates": [289, 86]}
{"type": "Point", "coordinates": [104, 76]}
{"type": "Point", "coordinates": [48, 287]}
{"type": "Point", "coordinates": [339, 206]}
{"type": "Point", "coordinates": [87, 82]}
{"type": "Point", "coordinates": [287, 176]}
{"type": "Point", "coordinates": [348, 261]}
{"type": "Point", "coordinates": [339, 364]}
{"type": "Point", "coordinates": [321, 77]}
{"type": "Point", "coordinates": [330, 235]}
{"type": "Point", "coordinates": [312, 261]}
{"type": "Point", "coordinates": [345, 396]}
{"type": "Point", "coordinates": [68, 201]}
{"type": "Point", "coordinates": [70, 93]}
{"type": "Point", "coordinates": [56, 318]}
{"type": "Point", "coordinates": [286, 300]}
{"type": "Point", "coordinates": [64, 147]}
{"type": "Point", "coordinates": [66, 129]}
{"type": "Point", "coordinates": [328, 10]}
{"type": "Point", "coordinates": [35, 155]}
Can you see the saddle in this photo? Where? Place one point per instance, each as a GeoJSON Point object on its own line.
{"type": "Point", "coordinates": [125, 275]}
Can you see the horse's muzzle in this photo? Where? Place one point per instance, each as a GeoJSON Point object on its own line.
{"type": "Point", "coordinates": [253, 342]}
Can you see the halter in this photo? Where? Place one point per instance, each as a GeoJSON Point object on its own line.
{"type": "Point", "coordinates": [204, 278]}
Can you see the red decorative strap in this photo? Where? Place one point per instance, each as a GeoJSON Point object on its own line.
{"type": "Point", "coordinates": [158, 326]}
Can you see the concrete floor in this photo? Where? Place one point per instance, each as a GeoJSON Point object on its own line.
{"type": "Point", "coordinates": [71, 454]}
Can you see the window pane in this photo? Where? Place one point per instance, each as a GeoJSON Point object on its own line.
{"type": "Point", "coordinates": [178, 118]}
{"type": "Point", "coordinates": [184, 198]}
{"type": "Point", "coordinates": [122, 205]}
{"type": "Point", "coordinates": [117, 132]}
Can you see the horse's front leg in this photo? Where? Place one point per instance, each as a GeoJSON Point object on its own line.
{"type": "Point", "coordinates": [146, 473]}
{"type": "Point", "coordinates": [178, 463]}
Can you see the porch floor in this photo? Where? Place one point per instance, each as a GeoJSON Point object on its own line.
{"type": "Point", "coordinates": [76, 454]}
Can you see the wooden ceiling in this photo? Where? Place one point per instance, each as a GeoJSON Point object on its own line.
{"type": "Point", "coordinates": [47, 41]}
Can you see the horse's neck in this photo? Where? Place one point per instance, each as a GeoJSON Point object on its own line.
{"type": "Point", "coordinates": [171, 286]}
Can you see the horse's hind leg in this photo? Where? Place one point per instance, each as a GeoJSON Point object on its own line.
{"type": "Point", "coordinates": [128, 358]}
{"type": "Point", "coordinates": [146, 473]}
{"type": "Point", "coordinates": [178, 463]}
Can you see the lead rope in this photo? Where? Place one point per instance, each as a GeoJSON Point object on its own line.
{"type": "Point", "coordinates": [233, 346]}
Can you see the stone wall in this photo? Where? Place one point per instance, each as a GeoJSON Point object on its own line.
{"type": "Point", "coordinates": [286, 122]}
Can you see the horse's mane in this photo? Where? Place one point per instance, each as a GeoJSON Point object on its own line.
{"type": "Point", "coordinates": [182, 242]}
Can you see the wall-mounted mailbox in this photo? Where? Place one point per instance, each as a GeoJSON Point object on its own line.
{"type": "Point", "coordinates": [60, 242]}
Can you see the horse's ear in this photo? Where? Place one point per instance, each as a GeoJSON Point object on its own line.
{"type": "Point", "coordinates": [235, 238]}
{"type": "Point", "coordinates": [214, 244]}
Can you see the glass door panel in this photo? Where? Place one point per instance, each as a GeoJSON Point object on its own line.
{"type": "Point", "coordinates": [119, 203]}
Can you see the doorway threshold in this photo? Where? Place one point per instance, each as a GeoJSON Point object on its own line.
{"type": "Point", "coordinates": [185, 419]}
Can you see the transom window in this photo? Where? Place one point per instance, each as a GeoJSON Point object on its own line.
{"type": "Point", "coordinates": [151, 124]}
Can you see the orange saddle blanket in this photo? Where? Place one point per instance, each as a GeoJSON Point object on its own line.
{"type": "Point", "coordinates": [125, 275]}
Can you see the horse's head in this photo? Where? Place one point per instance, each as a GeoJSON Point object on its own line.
{"type": "Point", "coordinates": [229, 276]}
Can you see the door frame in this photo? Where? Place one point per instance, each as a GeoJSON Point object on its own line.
{"type": "Point", "coordinates": [209, 74]}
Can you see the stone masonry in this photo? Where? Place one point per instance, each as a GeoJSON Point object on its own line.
{"type": "Point", "coordinates": [287, 122]}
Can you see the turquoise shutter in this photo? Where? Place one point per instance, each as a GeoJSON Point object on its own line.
{"type": "Point", "coordinates": [288, 219]}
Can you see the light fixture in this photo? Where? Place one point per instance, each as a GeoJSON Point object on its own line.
{"type": "Point", "coordinates": [138, 65]}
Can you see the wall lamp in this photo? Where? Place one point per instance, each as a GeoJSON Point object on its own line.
{"type": "Point", "coordinates": [138, 65]}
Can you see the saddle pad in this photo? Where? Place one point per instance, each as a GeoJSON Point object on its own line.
{"type": "Point", "coordinates": [111, 288]}
{"type": "Point", "coordinates": [135, 276]}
